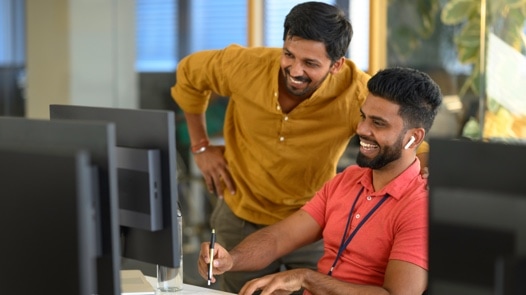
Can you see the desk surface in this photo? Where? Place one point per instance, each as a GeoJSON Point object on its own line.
{"type": "Point", "coordinates": [191, 289]}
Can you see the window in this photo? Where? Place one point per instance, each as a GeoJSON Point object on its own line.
{"type": "Point", "coordinates": [216, 24]}
{"type": "Point", "coordinates": [12, 33]}
{"type": "Point", "coordinates": [157, 37]}
{"type": "Point", "coordinates": [167, 30]}
{"type": "Point", "coordinates": [275, 13]}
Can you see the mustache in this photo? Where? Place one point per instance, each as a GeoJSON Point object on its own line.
{"type": "Point", "coordinates": [298, 78]}
{"type": "Point", "coordinates": [365, 138]}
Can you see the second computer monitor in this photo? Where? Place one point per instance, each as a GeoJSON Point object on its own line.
{"type": "Point", "coordinates": [477, 218]}
{"type": "Point", "coordinates": [145, 138]}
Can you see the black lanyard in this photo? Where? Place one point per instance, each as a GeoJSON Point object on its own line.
{"type": "Point", "coordinates": [345, 242]}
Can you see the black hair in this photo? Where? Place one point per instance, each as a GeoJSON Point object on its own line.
{"type": "Point", "coordinates": [417, 94]}
{"type": "Point", "coordinates": [321, 22]}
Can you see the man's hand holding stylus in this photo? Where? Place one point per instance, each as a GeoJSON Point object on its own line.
{"type": "Point", "coordinates": [222, 261]}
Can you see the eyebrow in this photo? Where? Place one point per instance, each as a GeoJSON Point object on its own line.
{"type": "Point", "coordinates": [377, 118]}
{"type": "Point", "coordinates": [311, 60]}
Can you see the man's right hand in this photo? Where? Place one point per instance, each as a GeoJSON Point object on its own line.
{"type": "Point", "coordinates": [222, 261]}
{"type": "Point", "coordinates": [214, 169]}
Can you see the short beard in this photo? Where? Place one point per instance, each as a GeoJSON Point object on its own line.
{"type": "Point", "coordinates": [305, 93]}
{"type": "Point", "coordinates": [387, 155]}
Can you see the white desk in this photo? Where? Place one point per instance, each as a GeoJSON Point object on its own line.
{"type": "Point", "coordinates": [190, 289]}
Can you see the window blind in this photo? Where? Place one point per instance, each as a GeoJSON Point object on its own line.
{"type": "Point", "coordinates": [156, 35]}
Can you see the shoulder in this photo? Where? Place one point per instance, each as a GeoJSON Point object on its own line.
{"type": "Point", "coordinates": [233, 54]}
{"type": "Point", "coordinates": [347, 178]}
{"type": "Point", "coordinates": [359, 79]}
{"type": "Point", "coordinates": [409, 180]}
{"type": "Point", "coordinates": [251, 54]}
{"type": "Point", "coordinates": [354, 75]}
{"type": "Point", "coordinates": [350, 83]}
{"type": "Point", "coordinates": [250, 63]}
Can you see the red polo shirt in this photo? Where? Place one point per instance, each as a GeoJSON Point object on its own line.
{"type": "Point", "coordinates": [398, 229]}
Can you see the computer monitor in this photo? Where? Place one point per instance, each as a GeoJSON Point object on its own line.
{"type": "Point", "coordinates": [49, 242]}
{"type": "Point", "coordinates": [140, 132]}
{"type": "Point", "coordinates": [477, 218]}
{"type": "Point", "coordinates": [61, 136]}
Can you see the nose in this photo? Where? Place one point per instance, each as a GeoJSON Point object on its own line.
{"type": "Point", "coordinates": [363, 128]}
{"type": "Point", "coordinates": [296, 69]}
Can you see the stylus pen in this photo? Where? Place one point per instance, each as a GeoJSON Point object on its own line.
{"type": "Point", "coordinates": [211, 265]}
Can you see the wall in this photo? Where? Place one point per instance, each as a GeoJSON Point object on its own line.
{"type": "Point", "coordinates": [80, 52]}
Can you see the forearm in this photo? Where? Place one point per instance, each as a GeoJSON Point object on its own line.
{"type": "Point", "coordinates": [318, 283]}
{"type": "Point", "coordinates": [269, 243]}
{"type": "Point", "coordinates": [255, 252]}
{"type": "Point", "coordinates": [196, 127]}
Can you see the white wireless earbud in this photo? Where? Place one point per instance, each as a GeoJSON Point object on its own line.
{"type": "Point", "coordinates": [410, 142]}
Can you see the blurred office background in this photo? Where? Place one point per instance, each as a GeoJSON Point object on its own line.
{"type": "Point", "coordinates": [124, 53]}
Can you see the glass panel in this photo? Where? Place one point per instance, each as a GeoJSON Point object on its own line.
{"type": "Point", "coordinates": [442, 38]}
{"type": "Point", "coordinates": [505, 72]}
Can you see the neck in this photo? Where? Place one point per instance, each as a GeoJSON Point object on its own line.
{"type": "Point", "coordinates": [287, 101]}
{"type": "Point", "coordinates": [384, 175]}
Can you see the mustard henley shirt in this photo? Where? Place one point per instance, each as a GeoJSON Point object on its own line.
{"type": "Point", "coordinates": [277, 160]}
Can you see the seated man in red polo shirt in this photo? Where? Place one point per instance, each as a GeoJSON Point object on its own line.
{"type": "Point", "coordinates": [372, 217]}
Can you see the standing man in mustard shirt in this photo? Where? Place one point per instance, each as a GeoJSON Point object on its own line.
{"type": "Point", "coordinates": [290, 116]}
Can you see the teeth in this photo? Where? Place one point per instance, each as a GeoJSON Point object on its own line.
{"type": "Point", "coordinates": [295, 81]}
{"type": "Point", "coordinates": [367, 145]}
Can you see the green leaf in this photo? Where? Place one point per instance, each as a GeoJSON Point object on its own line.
{"type": "Point", "coordinates": [517, 16]}
{"type": "Point", "coordinates": [469, 36]}
{"type": "Point", "coordinates": [427, 11]}
{"type": "Point", "coordinates": [468, 55]}
{"type": "Point", "coordinates": [515, 3]}
{"type": "Point", "coordinates": [492, 105]}
{"type": "Point", "coordinates": [456, 11]}
{"type": "Point", "coordinates": [494, 7]}
{"type": "Point", "coordinates": [406, 41]}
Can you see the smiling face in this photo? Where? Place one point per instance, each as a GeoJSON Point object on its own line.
{"type": "Point", "coordinates": [305, 65]}
{"type": "Point", "coordinates": [382, 133]}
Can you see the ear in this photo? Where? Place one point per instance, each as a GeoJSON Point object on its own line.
{"type": "Point", "coordinates": [337, 66]}
{"type": "Point", "coordinates": [410, 142]}
{"type": "Point", "coordinates": [414, 138]}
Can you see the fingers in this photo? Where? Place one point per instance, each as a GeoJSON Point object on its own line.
{"type": "Point", "coordinates": [203, 260]}
{"type": "Point", "coordinates": [215, 170]}
{"type": "Point", "coordinates": [229, 182]}
{"type": "Point", "coordinates": [218, 184]}
{"type": "Point", "coordinates": [210, 186]}
{"type": "Point", "coordinates": [222, 261]}
{"type": "Point", "coordinates": [279, 283]}
{"type": "Point", "coordinates": [424, 172]}
{"type": "Point", "coordinates": [252, 286]}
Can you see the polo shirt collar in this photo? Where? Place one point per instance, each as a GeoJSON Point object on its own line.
{"type": "Point", "coordinates": [397, 187]}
